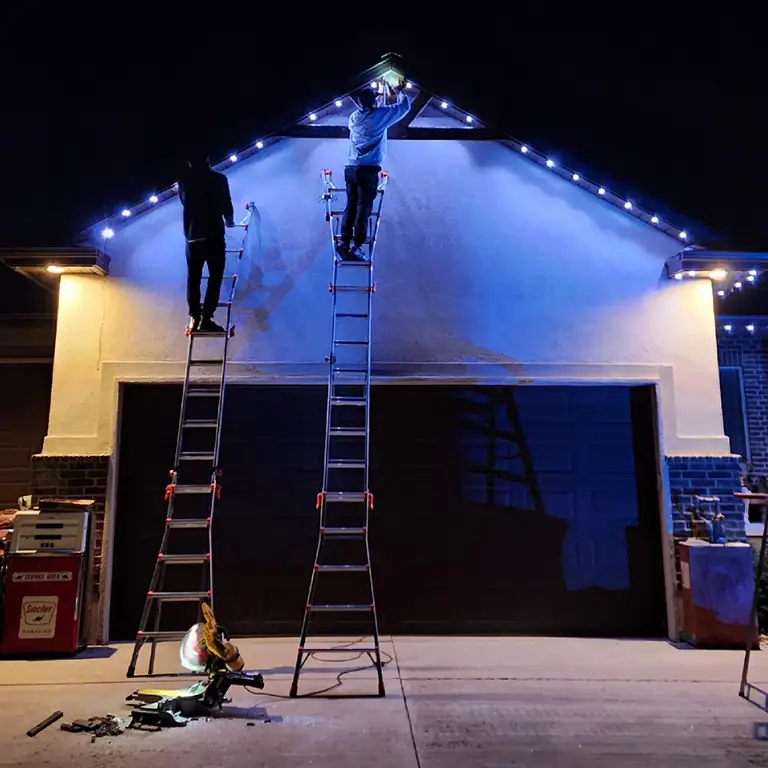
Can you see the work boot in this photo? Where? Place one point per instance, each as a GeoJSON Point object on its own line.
{"type": "Point", "coordinates": [206, 325]}
{"type": "Point", "coordinates": [356, 253]}
{"type": "Point", "coordinates": [342, 249]}
{"type": "Point", "coordinates": [194, 322]}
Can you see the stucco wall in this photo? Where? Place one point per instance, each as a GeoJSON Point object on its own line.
{"type": "Point", "coordinates": [487, 267]}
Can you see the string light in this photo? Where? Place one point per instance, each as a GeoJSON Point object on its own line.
{"type": "Point", "coordinates": [125, 213]}
{"type": "Point", "coordinates": [728, 328]}
{"type": "Point", "coordinates": [153, 199]}
{"type": "Point", "coordinates": [338, 102]}
{"type": "Point", "coordinates": [107, 232]}
{"type": "Point", "coordinates": [524, 149]}
{"type": "Point", "coordinates": [550, 163]}
{"type": "Point", "coordinates": [469, 118]}
{"type": "Point", "coordinates": [259, 145]}
{"type": "Point", "coordinates": [575, 177]}
{"type": "Point", "coordinates": [627, 206]}
{"type": "Point", "coordinates": [601, 191]}
{"type": "Point", "coordinates": [654, 219]}
{"type": "Point", "coordinates": [313, 117]}
{"type": "Point", "coordinates": [751, 328]}
{"type": "Point", "coordinates": [233, 158]}
{"type": "Point", "coordinates": [444, 105]}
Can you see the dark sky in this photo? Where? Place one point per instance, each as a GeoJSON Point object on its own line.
{"type": "Point", "coordinates": [665, 109]}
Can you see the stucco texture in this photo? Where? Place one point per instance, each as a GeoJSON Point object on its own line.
{"type": "Point", "coordinates": [482, 256]}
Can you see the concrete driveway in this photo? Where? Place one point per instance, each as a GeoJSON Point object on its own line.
{"type": "Point", "coordinates": [450, 702]}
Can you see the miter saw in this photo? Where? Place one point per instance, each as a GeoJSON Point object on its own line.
{"type": "Point", "coordinates": [205, 648]}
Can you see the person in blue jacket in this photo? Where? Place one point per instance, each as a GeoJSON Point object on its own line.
{"type": "Point", "coordinates": [367, 146]}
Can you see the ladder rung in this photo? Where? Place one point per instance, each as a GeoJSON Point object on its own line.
{"type": "Point", "coordinates": [352, 288]}
{"type": "Point", "coordinates": [224, 304]}
{"type": "Point", "coordinates": [342, 568]}
{"type": "Point", "coordinates": [358, 401]}
{"type": "Point", "coordinates": [352, 342]}
{"type": "Point", "coordinates": [204, 392]}
{"type": "Point", "coordinates": [348, 432]}
{"type": "Point", "coordinates": [221, 334]}
{"type": "Point", "coordinates": [352, 314]}
{"type": "Point", "coordinates": [341, 608]}
{"type": "Point", "coordinates": [183, 559]}
{"type": "Point", "coordinates": [192, 489]}
{"type": "Point", "coordinates": [189, 523]}
{"type": "Point", "coordinates": [207, 361]}
{"type": "Point", "coordinates": [197, 456]}
{"type": "Point", "coordinates": [345, 496]}
{"type": "Point", "coordinates": [178, 597]}
{"type": "Point", "coordinates": [161, 635]}
{"type": "Point", "coordinates": [356, 371]}
{"type": "Point", "coordinates": [342, 531]}
{"type": "Point", "coordinates": [346, 464]}
{"type": "Point", "coordinates": [233, 278]}
{"type": "Point", "coordinates": [232, 250]}
{"type": "Point", "coordinates": [353, 263]}
{"type": "Point", "coordinates": [200, 423]}
{"type": "Point", "coordinates": [351, 649]}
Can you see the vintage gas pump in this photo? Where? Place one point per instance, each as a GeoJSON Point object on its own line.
{"type": "Point", "coordinates": [44, 577]}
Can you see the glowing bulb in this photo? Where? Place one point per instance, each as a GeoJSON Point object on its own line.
{"type": "Point", "coordinates": [444, 105]}
{"type": "Point", "coordinates": [524, 149]}
{"type": "Point", "coordinates": [338, 102]}
{"type": "Point", "coordinates": [550, 163]}
{"type": "Point", "coordinates": [654, 219]}
{"type": "Point", "coordinates": [313, 117]}
{"type": "Point", "coordinates": [374, 84]}
{"type": "Point", "coordinates": [106, 233]}
{"type": "Point", "coordinates": [575, 177]}
{"type": "Point", "coordinates": [54, 269]}
{"type": "Point", "coordinates": [753, 272]}
{"type": "Point", "coordinates": [721, 294]}
{"type": "Point", "coordinates": [751, 328]}
{"type": "Point", "coordinates": [718, 274]}
{"type": "Point", "coordinates": [409, 85]}
{"type": "Point", "coordinates": [737, 285]}
{"type": "Point", "coordinates": [469, 118]}
{"type": "Point", "coordinates": [691, 273]}
{"type": "Point", "coordinates": [259, 145]}
{"type": "Point", "coordinates": [751, 278]}
{"type": "Point", "coordinates": [679, 276]}
{"type": "Point", "coordinates": [125, 212]}
{"type": "Point", "coordinates": [601, 191]}
{"type": "Point", "coordinates": [728, 328]}
{"type": "Point", "coordinates": [628, 206]}
{"type": "Point", "coordinates": [233, 158]}
{"type": "Point", "coordinates": [153, 199]}
{"type": "Point", "coordinates": [683, 235]}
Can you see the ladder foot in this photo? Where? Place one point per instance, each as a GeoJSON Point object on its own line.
{"type": "Point", "coordinates": [382, 692]}
{"type": "Point", "coordinates": [293, 692]}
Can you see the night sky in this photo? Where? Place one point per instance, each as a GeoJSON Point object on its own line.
{"type": "Point", "coordinates": [666, 110]}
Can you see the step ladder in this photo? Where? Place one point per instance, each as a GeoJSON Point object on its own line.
{"type": "Point", "coordinates": [186, 545]}
{"type": "Point", "coordinates": [345, 502]}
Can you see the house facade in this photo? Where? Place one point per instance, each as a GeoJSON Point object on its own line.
{"type": "Point", "coordinates": [546, 389]}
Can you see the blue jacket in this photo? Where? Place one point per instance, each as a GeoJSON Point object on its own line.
{"type": "Point", "coordinates": [368, 131]}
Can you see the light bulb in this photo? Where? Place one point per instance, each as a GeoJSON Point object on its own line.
{"type": "Point", "coordinates": [409, 85]}
{"type": "Point", "coordinates": [313, 117]}
{"type": "Point", "coordinates": [750, 278]}
{"type": "Point", "coordinates": [338, 102]}
{"type": "Point", "coordinates": [524, 149]}
{"type": "Point", "coordinates": [728, 328]}
{"type": "Point", "coordinates": [550, 163]}
{"type": "Point", "coordinates": [106, 233]}
{"type": "Point", "coordinates": [753, 272]}
{"type": "Point", "coordinates": [374, 84]}
{"type": "Point", "coordinates": [153, 199]}
{"type": "Point", "coordinates": [125, 212]}
{"type": "Point", "coordinates": [654, 219]}
{"type": "Point", "coordinates": [721, 293]}
{"type": "Point", "coordinates": [575, 177]}
{"type": "Point", "coordinates": [54, 269]}
{"type": "Point", "coordinates": [469, 118]}
{"type": "Point", "coordinates": [259, 145]}
{"type": "Point", "coordinates": [233, 158]}
{"type": "Point", "coordinates": [751, 328]}
{"type": "Point", "coordinates": [683, 235]}
{"type": "Point", "coordinates": [691, 273]}
{"type": "Point", "coordinates": [628, 206]}
{"type": "Point", "coordinates": [679, 276]}
{"type": "Point", "coordinates": [444, 105]}
{"type": "Point", "coordinates": [737, 285]}
{"type": "Point", "coordinates": [601, 191]}
{"type": "Point", "coordinates": [718, 274]}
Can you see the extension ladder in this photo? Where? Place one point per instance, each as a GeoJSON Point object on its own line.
{"type": "Point", "coordinates": [186, 544]}
{"type": "Point", "coordinates": [345, 501]}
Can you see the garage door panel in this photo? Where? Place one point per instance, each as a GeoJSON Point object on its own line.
{"type": "Point", "coordinates": [457, 544]}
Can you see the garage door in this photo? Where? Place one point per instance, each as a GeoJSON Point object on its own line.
{"type": "Point", "coordinates": [498, 510]}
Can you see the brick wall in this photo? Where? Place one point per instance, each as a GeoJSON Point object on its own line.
{"type": "Point", "coordinates": [691, 476]}
{"type": "Point", "coordinates": [80, 477]}
{"type": "Point", "coordinates": [747, 350]}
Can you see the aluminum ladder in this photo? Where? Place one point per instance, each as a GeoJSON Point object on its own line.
{"type": "Point", "coordinates": [186, 544]}
{"type": "Point", "coordinates": [345, 502]}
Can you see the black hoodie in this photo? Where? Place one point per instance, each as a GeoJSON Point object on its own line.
{"type": "Point", "coordinates": [207, 202]}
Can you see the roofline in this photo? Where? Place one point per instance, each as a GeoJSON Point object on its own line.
{"type": "Point", "coordinates": [392, 62]}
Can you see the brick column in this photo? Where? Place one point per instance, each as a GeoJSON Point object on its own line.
{"type": "Point", "coordinates": [80, 477]}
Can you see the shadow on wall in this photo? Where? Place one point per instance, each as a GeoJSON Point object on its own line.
{"type": "Point", "coordinates": [268, 275]}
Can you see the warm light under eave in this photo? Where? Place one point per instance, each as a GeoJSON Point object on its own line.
{"type": "Point", "coordinates": [718, 274]}
{"type": "Point", "coordinates": [54, 269]}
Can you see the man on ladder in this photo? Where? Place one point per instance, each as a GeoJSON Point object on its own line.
{"type": "Point", "coordinates": [204, 193]}
{"type": "Point", "coordinates": [367, 146]}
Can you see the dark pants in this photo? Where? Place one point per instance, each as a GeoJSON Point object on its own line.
{"type": "Point", "coordinates": [210, 251]}
{"type": "Point", "coordinates": [362, 182]}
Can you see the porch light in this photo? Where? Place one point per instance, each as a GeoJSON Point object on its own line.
{"type": "Point", "coordinates": [718, 274]}
{"type": "Point", "coordinates": [54, 269]}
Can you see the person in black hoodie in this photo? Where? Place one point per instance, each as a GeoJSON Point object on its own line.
{"type": "Point", "coordinates": [207, 202]}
